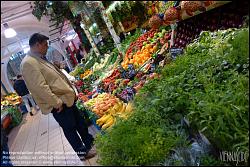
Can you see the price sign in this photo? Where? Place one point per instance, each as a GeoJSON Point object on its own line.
{"type": "Point", "coordinates": [175, 52]}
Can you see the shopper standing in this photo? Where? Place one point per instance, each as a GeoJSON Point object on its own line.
{"type": "Point", "coordinates": [54, 94]}
{"type": "Point", "coordinates": [53, 55]}
{"type": "Point", "coordinates": [70, 78]}
{"type": "Point", "coordinates": [21, 89]}
{"type": "Point", "coordinates": [79, 56]}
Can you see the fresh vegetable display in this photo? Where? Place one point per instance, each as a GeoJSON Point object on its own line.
{"type": "Point", "coordinates": [16, 115]}
{"type": "Point", "coordinates": [78, 70]}
{"type": "Point", "coordinates": [127, 94]}
{"type": "Point", "coordinates": [208, 85]}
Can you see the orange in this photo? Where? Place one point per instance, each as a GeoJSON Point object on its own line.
{"type": "Point", "coordinates": [155, 48]}
{"type": "Point", "coordinates": [131, 61]}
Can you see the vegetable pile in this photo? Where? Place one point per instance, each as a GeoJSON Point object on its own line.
{"type": "Point", "coordinates": [209, 85]}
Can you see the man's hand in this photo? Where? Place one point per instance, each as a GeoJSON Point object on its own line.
{"type": "Point", "coordinates": [60, 109]}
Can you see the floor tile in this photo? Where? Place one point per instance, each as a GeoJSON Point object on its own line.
{"type": "Point", "coordinates": [40, 134]}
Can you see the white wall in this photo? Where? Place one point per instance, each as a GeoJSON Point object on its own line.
{"type": "Point", "coordinates": [4, 77]}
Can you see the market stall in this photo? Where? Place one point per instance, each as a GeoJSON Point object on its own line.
{"type": "Point", "coordinates": [175, 90]}
{"type": "Point", "coordinates": [11, 114]}
{"type": "Point", "coordinates": [148, 105]}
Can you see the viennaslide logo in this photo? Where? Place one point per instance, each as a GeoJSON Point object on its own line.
{"type": "Point", "coordinates": [238, 156]}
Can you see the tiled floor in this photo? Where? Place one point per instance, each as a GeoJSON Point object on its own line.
{"type": "Point", "coordinates": [39, 140]}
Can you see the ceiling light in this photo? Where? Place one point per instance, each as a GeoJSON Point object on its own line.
{"type": "Point", "coordinates": [9, 32]}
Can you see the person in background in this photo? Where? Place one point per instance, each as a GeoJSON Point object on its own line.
{"type": "Point", "coordinates": [78, 56]}
{"type": "Point", "coordinates": [82, 51]}
{"type": "Point", "coordinates": [54, 94]}
{"type": "Point", "coordinates": [71, 78]}
{"type": "Point", "coordinates": [53, 55]}
{"type": "Point", "coordinates": [21, 89]}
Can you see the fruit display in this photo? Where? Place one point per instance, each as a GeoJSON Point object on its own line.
{"type": "Point", "coordinates": [172, 14]}
{"type": "Point", "coordinates": [155, 22]}
{"type": "Point", "coordinates": [109, 118]}
{"type": "Point", "coordinates": [164, 95]}
{"type": "Point", "coordinates": [11, 100]}
{"type": "Point", "coordinates": [140, 42]}
{"type": "Point", "coordinates": [86, 73]}
{"type": "Point", "coordinates": [144, 47]}
{"type": "Point", "coordinates": [191, 6]}
{"type": "Point", "coordinates": [102, 103]}
{"type": "Point", "coordinates": [108, 83]}
{"type": "Point", "coordinates": [12, 96]}
{"type": "Point", "coordinates": [208, 85]}
{"type": "Point", "coordinates": [106, 107]}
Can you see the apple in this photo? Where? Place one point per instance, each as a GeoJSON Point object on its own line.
{"type": "Point", "coordinates": [163, 31]}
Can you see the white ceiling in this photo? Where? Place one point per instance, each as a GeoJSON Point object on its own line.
{"type": "Point", "coordinates": [18, 15]}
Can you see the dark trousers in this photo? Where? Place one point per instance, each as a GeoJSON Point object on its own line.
{"type": "Point", "coordinates": [5, 155]}
{"type": "Point", "coordinates": [72, 122]}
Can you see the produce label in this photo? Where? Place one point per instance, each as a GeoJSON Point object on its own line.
{"type": "Point", "coordinates": [175, 52]}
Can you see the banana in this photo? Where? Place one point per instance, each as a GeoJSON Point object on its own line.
{"type": "Point", "coordinates": [129, 107]}
{"type": "Point", "coordinates": [124, 115]}
{"type": "Point", "coordinates": [108, 124]}
{"type": "Point", "coordinates": [103, 119]}
{"type": "Point", "coordinates": [116, 106]}
{"type": "Point", "coordinates": [123, 108]}
{"type": "Point", "coordinates": [112, 111]}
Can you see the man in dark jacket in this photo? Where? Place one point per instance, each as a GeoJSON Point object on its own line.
{"type": "Point", "coordinates": [21, 90]}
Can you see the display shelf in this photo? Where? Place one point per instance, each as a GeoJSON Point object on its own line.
{"type": "Point", "coordinates": [184, 14]}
